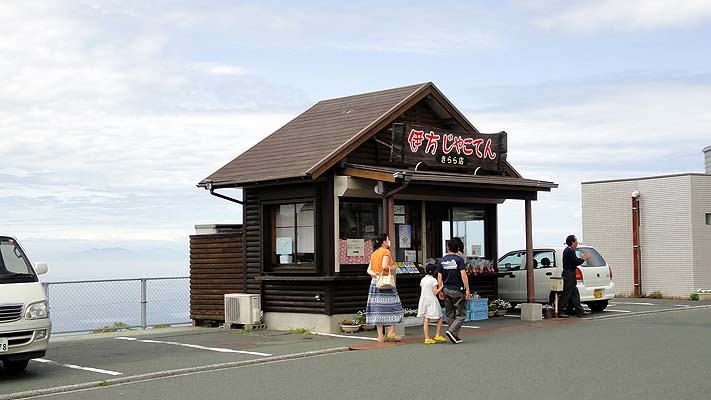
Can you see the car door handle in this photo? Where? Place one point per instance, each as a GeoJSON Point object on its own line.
{"type": "Point", "coordinates": [549, 273]}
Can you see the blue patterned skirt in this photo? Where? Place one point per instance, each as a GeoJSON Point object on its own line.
{"type": "Point", "coordinates": [384, 307]}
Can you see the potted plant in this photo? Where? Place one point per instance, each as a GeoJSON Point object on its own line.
{"type": "Point", "coordinates": [360, 317]}
{"type": "Point", "coordinates": [500, 307]}
{"type": "Point", "coordinates": [492, 309]}
{"type": "Point", "coordinates": [349, 326]}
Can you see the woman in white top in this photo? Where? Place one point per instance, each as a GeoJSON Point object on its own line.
{"type": "Point", "coordinates": [429, 307]}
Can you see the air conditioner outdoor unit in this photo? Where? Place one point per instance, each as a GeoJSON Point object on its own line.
{"type": "Point", "coordinates": [243, 309]}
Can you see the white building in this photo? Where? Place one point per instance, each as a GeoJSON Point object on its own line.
{"type": "Point", "coordinates": [674, 230]}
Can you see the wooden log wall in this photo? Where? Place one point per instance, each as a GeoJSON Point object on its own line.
{"type": "Point", "coordinates": [253, 222]}
{"type": "Point", "coordinates": [216, 268]}
{"type": "Point", "coordinates": [294, 297]}
{"type": "Point", "coordinates": [352, 296]}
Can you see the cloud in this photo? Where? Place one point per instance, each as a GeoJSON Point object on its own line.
{"type": "Point", "coordinates": [105, 132]}
{"type": "Point", "coordinates": [589, 16]}
{"type": "Point", "coordinates": [572, 132]}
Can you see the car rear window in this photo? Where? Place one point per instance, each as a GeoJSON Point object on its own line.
{"type": "Point", "coordinates": [595, 261]}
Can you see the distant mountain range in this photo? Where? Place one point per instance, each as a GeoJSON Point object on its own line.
{"type": "Point", "coordinates": [77, 261]}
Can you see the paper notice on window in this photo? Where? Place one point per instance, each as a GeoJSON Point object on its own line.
{"type": "Point", "coordinates": [355, 247]}
{"type": "Point", "coordinates": [476, 250]}
{"type": "Point", "coordinates": [399, 219]}
{"type": "Point", "coordinates": [283, 245]}
{"type": "Point", "coordinates": [411, 255]}
{"type": "Point", "coordinates": [399, 209]}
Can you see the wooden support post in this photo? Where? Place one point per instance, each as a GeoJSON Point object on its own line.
{"type": "Point", "coordinates": [530, 286]}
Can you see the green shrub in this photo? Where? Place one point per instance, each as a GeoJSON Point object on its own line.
{"type": "Point", "coordinates": [655, 295]}
{"type": "Point", "coordinates": [300, 331]}
{"type": "Point", "coordinates": [694, 296]}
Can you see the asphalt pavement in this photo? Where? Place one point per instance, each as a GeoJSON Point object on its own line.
{"type": "Point", "coordinates": [207, 360]}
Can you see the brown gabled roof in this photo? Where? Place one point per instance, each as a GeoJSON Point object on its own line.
{"type": "Point", "coordinates": [324, 134]}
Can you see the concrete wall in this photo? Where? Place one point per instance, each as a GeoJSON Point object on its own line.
{"type": "Point", "coordinates": [701, 233]}
{"type": "Point", "coordinates": [707, 159]}
{"type": "Point", "coordinates": [667, 257]}
{"type": "Point", "coordinates": [607, 225]}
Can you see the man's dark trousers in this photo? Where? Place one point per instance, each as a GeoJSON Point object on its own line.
{"type": "Point", "coordinates": [570, 297]}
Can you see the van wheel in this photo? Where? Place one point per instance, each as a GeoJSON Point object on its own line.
{"type": "Point", "coordinates": [597, 306]}
{"type": "Point", "coordinates": [15, 367]}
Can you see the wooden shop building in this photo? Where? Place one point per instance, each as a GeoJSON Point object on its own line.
{"type": "Point", "coordinates": [316, 192]}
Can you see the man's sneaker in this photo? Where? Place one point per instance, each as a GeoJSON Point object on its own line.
{"type": "Point", "coordinates": [430, 341]}
{"type": "Point", "coordinates": [452, 337]}
{"type": "Point", "coordinates": [440, 338]}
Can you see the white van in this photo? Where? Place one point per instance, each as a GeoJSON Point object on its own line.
{"type": "Point", "coordinates": [24, 313]}
{"type": "Point", "coordinates": [594, 276]}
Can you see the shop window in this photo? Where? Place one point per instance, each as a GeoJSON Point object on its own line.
{"type": "Point", "coordinates": [407, 240]}
{"type": "Point", "coordinates": [359, 224]}
{"type": "Point", "coordinates": [468, 224]}
{"type": "Point", "coordinates": [293, 233]}
{"type": "Point", "coordinates": [708, 218]}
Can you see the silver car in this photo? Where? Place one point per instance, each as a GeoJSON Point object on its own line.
{"type": "Point", "coordinates": [594, 276]}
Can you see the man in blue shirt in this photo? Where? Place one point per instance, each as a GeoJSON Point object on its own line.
{"type": "Point", "coordinates": [452, 274]}
{"type": "Point", "coordinates": [570, 289]}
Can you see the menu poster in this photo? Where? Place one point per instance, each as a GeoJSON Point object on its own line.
{"type": "Point", "coordinates": [405, 235]}
{"type": "Point", "coordinates": [355, 247]}
{"type": "Point", "coordinates": [410, 255]}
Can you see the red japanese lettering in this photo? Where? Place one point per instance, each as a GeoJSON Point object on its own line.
{"type": "Point", "coordinates": [432, 139]}
{"type": "Point", "coordinates": [415, 139]}
{"type": "Point", "coordinates": [466, 150]}
{"type": "Point", "coordinates": [487, 151]}
{"type": "Point", "coordinates": [477, 143]}
{"type": "Point", "coordinates": [446, 149]}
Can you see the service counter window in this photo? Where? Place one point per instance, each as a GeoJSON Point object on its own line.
{"type": "Point", "coordinates": [359, 224]}
{"type": "Point", "coordinates": [467, 223]}
{"type": "Point", "coordinates": [292, 227]}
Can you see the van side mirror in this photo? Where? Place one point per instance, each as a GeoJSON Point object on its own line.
{"type": "Point", "coordinates": [41, 268]}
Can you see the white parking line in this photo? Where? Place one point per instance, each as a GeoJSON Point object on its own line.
{"type": "Point", "coordinates": [471, 327]}
{"type": "Point", "coordinates": [633, 304]}
{"type": "Point", "coordinates": [622, 311]}
{"type": "Point", "coordinates": [195, 346]}
{"type": "Point", "coordinates": [72, 366]}
{"type": "Point", "coordinates": [343, 336]}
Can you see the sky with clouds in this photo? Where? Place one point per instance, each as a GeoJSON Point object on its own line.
{"type": "Point", "coordinates": [112, 111]}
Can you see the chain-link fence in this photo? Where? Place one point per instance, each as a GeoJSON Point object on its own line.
{"type": "Point", "coordinates": [83, 306]}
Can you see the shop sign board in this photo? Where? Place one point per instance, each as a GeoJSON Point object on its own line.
{"type": "Point", "coordinates": [441, 148]}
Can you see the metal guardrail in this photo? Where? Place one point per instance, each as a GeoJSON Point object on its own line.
{"type": "Point", "coordinates": [84, 306]}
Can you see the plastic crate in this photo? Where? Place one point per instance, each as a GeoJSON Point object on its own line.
{"type": "Point", "coordinates": [481, 304]}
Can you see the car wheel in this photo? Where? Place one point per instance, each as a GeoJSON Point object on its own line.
{"type": "Point", "coordinates": [15, 367]}
{"type": "Point", "coordinates": [597, 306]}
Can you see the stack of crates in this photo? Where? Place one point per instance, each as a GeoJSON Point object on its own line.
{"type": "Point", "coordinates": [477, 309]}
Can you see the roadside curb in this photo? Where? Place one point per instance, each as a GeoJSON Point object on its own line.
{"type": "Point", "coordinates": [166, 374]}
